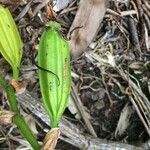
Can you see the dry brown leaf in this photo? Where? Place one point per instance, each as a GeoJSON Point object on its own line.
{"type": "Point", "coordinates": [86, 25]}
{"type": "Point", "coordinates": [18, 86]}
{"type": "Point", "coordinates": [6, 117]}
{"type": "Point", "coordinates": [51, 139]}
{"type": "Point", "coordinates": [50, 14]}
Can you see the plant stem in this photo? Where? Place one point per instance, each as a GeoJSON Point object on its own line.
{"type": "Point", "coordinates": [26, 131]}
{"type": "Point", "coordinates": [15, 72]}
{"type": "Point", "coordinates": [17, 118]}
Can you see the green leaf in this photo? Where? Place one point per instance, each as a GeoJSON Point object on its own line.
{"type": "Point", "coordinates": [10, 41]}
{"type": "Point", "coordinates": [54, 55]}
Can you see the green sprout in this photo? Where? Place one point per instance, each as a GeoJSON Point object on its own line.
{"type": "Point", "coordinates": [10, 41]}
{"type": "Point", "coordinates": [55, 77]}
{"type": "Point", "coordinates": [17, 118]}
{"type": "Point", "coordinates": [11, 49]}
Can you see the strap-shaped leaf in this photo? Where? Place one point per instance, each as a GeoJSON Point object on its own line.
{"type": "Point", "coordinates": [54, 55]}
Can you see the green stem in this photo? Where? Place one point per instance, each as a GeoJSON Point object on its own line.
{"type": "Point", "coordinates": [54, 124]}
{"type": "Point", "coordinates": [26, 131]}
{"type": "Point", "coordinates": [15, 72]}
{"type": "Point", "coordinates": [11, 98]}
{"type": "Point", "coordinates": [18, 119]}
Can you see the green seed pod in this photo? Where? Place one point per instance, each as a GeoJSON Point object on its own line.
{"type": "Point", "coordinates": [54, 55]}
{"type": "Point", "coordinates": [10, 41]}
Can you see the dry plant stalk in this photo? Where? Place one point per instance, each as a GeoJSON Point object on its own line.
{"type": "Point", "coordinates": [86, 24]}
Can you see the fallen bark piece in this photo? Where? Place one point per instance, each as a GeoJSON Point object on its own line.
{"type": "Point", "coordinates": [86, 25]}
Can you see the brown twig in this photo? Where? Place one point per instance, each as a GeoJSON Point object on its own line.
{"type": "Point", "coordinates": [24, 11]}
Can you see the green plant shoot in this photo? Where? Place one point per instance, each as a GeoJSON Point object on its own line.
{"type": "Point", "coordinates": [10, 41]}
{"type": "Point", "coordinates": [54, 55]}
{"type": "Point", "coordinates": [17, 118]}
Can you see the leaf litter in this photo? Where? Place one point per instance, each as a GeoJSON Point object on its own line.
{"type": "Point", "coordinates": [111, 78]}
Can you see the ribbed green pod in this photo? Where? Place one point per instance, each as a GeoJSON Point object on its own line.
{"type": "Point", "coordinates": [10, 41]}
{"type": "Point", "coordinates": [54, 55]}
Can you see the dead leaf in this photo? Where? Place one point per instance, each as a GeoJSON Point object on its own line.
{"type": "Point", "coordinates": [18, 86]}
{"type": "Point", "coordinates": [73, 109]}
{"type": "Point", "coordinates": [86, 25]}
{"type": "Point", "coordinates": [6, 117]}
{"type": "Point", "coordinates": [51, 139]}
{"type": "Point", "coordinates": [124, 120]}
{"type": "Point", "coordinates": [50, 14]}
